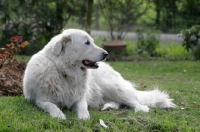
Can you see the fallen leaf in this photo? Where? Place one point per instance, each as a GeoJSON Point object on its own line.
{"type": "Point", "coordinates": [182, 108]}
{"type": "Point", "coordinates": [102, 123]}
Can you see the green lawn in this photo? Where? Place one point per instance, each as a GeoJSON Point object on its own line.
{"type": "Point", "coordinates": [168, 50]}
{"type": "Point", "coordinates": [22, 57]}
{"type": "Point", "coordinates": [181, 79]}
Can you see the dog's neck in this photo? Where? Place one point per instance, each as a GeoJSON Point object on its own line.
{"type": "Point", "coordinates": [84, 72]}
{"type": "Point", "coordinates": [83, 69]}
{"type": "Point", "coordinates": [75, 75]}
{"type": "Point", "coordinates": [69, 69]}
{"type": "Point", "coordinates": [73, 70]}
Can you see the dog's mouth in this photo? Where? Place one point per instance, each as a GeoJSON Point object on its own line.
{"type": "Point", "coordinates": [90, 64]}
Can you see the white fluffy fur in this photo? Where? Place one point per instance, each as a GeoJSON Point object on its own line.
{"type": "Point", "coordinates": [55, 77]}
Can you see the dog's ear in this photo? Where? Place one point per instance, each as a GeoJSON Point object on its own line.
{"type": "Point", "coordinates": [60, 45]}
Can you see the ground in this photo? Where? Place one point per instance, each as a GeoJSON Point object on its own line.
{"type": "Point", "coordinates": [11, 76]}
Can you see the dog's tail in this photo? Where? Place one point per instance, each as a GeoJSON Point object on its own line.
{"type": "Point", "coordinates": [155, 98]}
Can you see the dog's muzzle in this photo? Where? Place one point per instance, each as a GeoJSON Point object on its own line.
{"type": "Point", "coordinates": [94, 64]}
{"type": "Point", "coordinates": [105, 54]}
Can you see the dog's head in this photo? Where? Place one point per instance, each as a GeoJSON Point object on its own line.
{"type": "Point", "coordinates": [76, 46]}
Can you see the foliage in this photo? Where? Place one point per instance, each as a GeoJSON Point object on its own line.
{"type": "Point", "coordinates": [38, 21]}
{"type": "Point", "coordinates": [166, 10]}
{"type": "Point", "coordinates": [147, 44]}
{"type": "Point", "coordinates": [189, 12]}
{"type": "Point", "coordinates": [16, 43]}
{"type": "Point", "coordinates": [173, 15]}
{"type": "Point", "coordinates": [121, 15]}
{"type": "Point", "coordinates": [192, 40]}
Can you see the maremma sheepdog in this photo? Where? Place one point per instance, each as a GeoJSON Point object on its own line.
{"type": "Point", "coordinates": [68, 73]}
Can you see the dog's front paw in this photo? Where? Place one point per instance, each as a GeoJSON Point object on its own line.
{"type": "Point", "coordinates": [58, 115]}
{"type": "Point", "coordinates": [61, 116]}
{"type": "Point", "coordinates": [142, 108]}
{"type": "Point", "coordinates": [111, 105]}
{"type": "Point", "coordinates": [84, 115]}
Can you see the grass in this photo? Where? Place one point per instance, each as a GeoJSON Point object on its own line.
{"type": "Point", "coordinates": [22, 57]}
{"type": "Point", "coordinates": [180, 79]}
{"type": "Point", "coordinates": [168, 50]}
{"type": "Point", "coordinates": [173, 51]}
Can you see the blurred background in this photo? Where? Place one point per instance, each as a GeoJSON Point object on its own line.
{"type": "Point", "coordinates": [133, 21]}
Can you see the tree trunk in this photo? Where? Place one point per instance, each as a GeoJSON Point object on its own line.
{"type": "Point", "coordinates": [89, 15]}
{"type": "Point", "coordinates": [97, 17]}
{"type": "Point", "coordinates": [157, 21]}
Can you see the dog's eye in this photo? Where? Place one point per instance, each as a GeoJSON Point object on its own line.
{"type": "Point", "coordinates": [87, 43]}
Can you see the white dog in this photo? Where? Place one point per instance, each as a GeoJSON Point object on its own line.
{"type": "Point", "coordinates": [65, 73]}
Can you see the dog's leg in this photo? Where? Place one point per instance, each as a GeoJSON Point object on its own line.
{"type": "Point", "coordinates": [51, 108]}
{"type": "Point", "coordinates": [128, 97]}
{"type": "Point", "coordinates": [110, 105]}
{"type": "Point", "coordinates": [82, 109]}
{"type": "Point", "coordinates": [133, 103]}
{"type": "Point", "coordinates": [124, 95]}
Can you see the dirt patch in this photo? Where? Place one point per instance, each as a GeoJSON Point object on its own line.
{"type": "Point", "coordinates": [11, 77]}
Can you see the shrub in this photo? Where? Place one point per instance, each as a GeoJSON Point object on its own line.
{"type": "Point", "coordinates": [6, 53]}
{"type": "Point", "coordinates": [147, 44]}
{"type": "Point", "coordinates": [191, 40]}
{"type": "Point", "coordinates": [38, 20]}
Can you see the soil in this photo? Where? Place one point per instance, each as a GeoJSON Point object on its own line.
{"type": "Point", "coordinates": [11, 76]}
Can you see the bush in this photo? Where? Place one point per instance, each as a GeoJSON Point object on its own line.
{"type": "Point", "coordinates": [15, 45]}
{"type": "Point", "coordinates": [36, 20]}
{"type": "Point", "coordinates": [147, 44]}
{"type": "Point", "coordinates": [191, 41]}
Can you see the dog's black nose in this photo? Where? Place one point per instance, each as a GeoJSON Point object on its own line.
{"type": "Point", "coordinates": [105, 54]}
